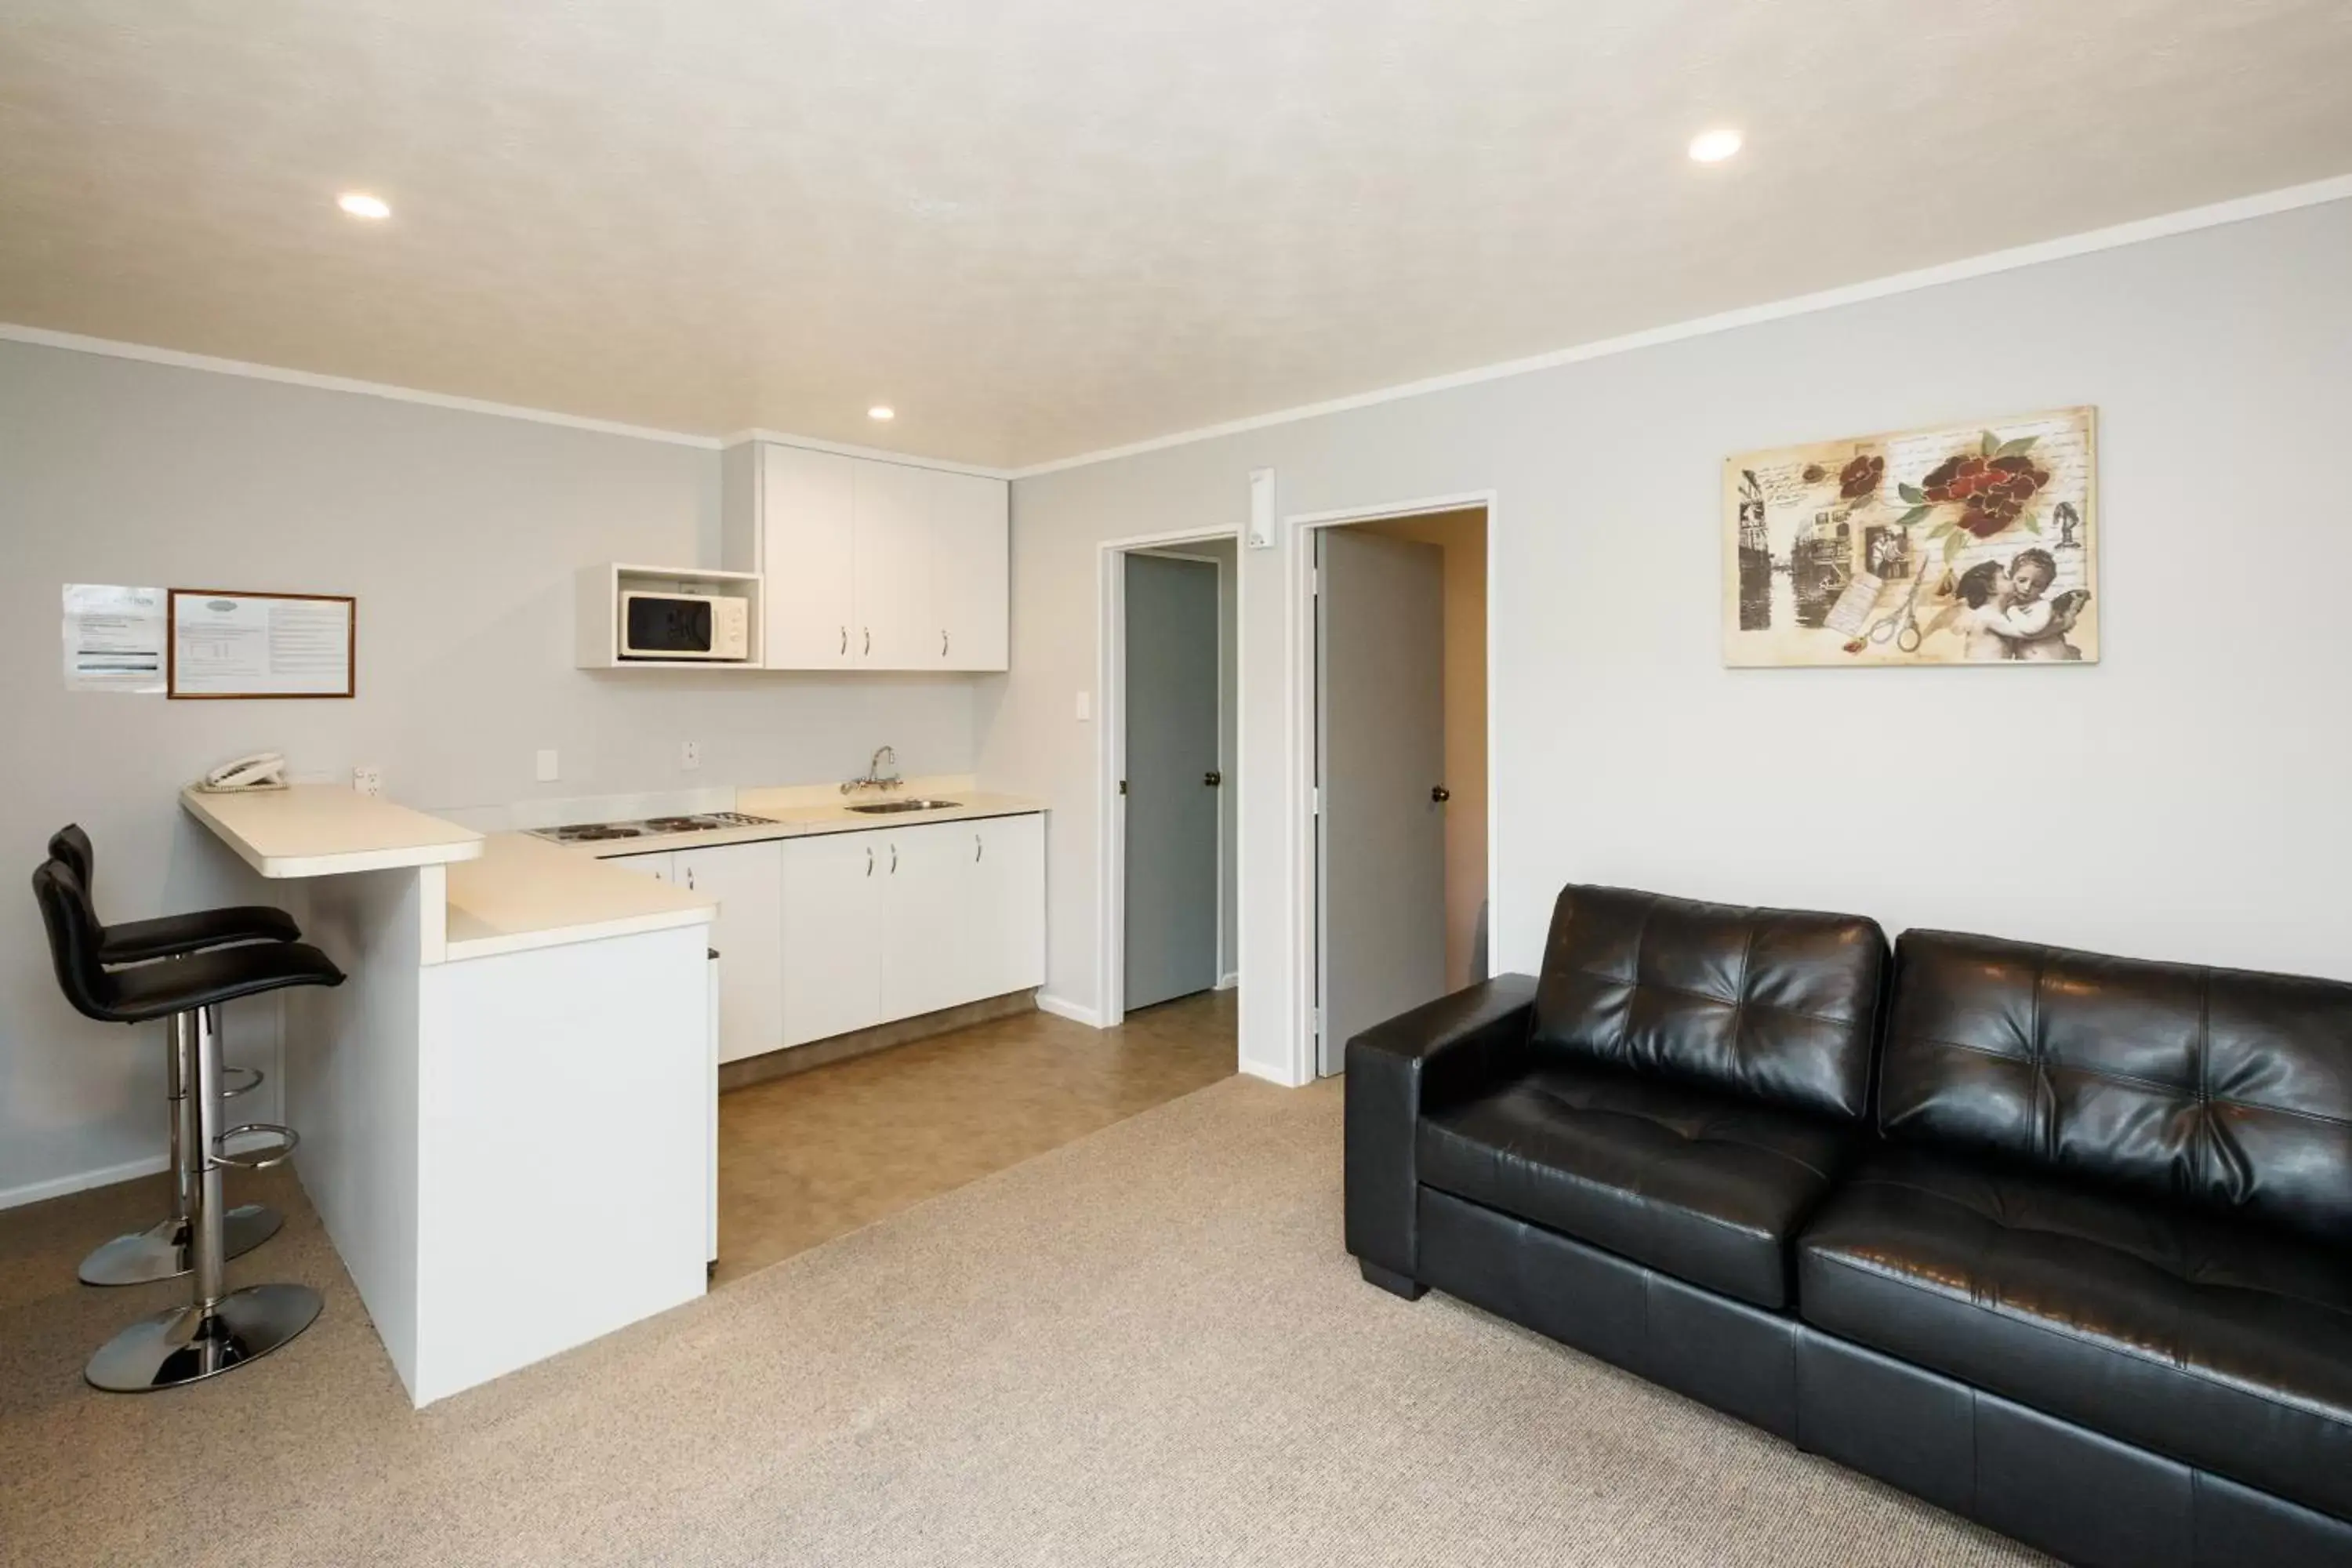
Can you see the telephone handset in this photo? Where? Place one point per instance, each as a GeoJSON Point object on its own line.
{"type": "Point", "coordinates": [262, 770]}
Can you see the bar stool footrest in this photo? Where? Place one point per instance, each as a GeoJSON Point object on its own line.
{"type": "Point", "coordinates": [262, 1159]}
{"type": "Point", "coordinates": [240, 1080]}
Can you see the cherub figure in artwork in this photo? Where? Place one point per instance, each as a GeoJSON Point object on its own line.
{"type": "Point", "coordinates": [2004, 614]}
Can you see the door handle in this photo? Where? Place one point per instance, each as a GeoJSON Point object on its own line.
{"type": "Point", "coordinates": [977, 849]}
{"type": "Point", "coordinates": [1213, 778]}
{"type": "Point", "coordinates": [894, 860]}
{"type": "Point", "coordinates": [944, 644]}
{"type": "Point", "coordinates": [844, 642]}
{"type": "Point", "coordinates": [869, 860]}
{"type": "Point", "coordinates": [1440, 795]}
{"type": "Point", "coordinates": [869, 642]}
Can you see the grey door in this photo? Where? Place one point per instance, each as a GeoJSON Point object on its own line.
{"type": "Point", "coordinates": [1171, 760]}
{"type": "Point", "coordinates": [1379, 710]}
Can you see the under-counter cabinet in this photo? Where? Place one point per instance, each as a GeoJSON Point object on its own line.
{"type": "Point", "coordinates": [747, 933]}
{"type": "Point", "coordinates": [885, 925]}
{"type": "Point", "coordinates": [837, 932]}
{"type": "Point", "coordinates": [869, 564]}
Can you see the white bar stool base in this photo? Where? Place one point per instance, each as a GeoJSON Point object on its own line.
{"type": "Point", "coordinates": [160, 1251]}
{"type": "Point", "coordinates": [188, 1344]}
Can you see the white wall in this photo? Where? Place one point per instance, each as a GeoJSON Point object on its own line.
{"type": "Point", "coordinates": [2184, 798]}
{"type": "Point", "coordinates": [460, 533]}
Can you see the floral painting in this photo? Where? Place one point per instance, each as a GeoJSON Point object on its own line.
{"type": "Point", "coordinates": [1977, 544]}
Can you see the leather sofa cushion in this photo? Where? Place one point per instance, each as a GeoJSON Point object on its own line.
{"type": "Point", "coordinates": [1776, 1005]}
{"type": "Point", "coordinates": [2219, 1342]}
{"type": "Point", "coordinates": [1699, 1185]}
{"type": "Point", "coordinates": [2218, 1087]}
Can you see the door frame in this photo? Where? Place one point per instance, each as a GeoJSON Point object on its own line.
{"type": "Point", "coordinates": [1110, 762]}
{"type": "Point", "coordinates": [1300, 685]}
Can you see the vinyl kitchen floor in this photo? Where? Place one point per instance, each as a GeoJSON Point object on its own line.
{"type": "Point", "coordinates": [807, 1158]}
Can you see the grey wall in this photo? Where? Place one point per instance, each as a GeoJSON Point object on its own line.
{"type": "Point", "coordinates": [460, 534]}
{"type": "Point", "coordinates": [2183, 798]}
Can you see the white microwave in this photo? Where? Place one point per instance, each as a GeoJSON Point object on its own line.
{"type": "Point", "coordinates": [685, 625]}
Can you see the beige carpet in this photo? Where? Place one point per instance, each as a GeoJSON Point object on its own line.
{"type": "Point", "coordinates": [1146, 1347]}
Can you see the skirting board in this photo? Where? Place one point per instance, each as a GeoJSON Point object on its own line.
{"type": "Point", "coordinates": [1228, 982]}
{"type": "Point", "coordinates": [82, 1180]}
{"type": "Point", "coordinates": [1070, 1010]}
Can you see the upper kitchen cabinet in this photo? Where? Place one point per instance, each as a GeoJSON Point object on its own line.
{"type": "Point", "coordinates": [970, 587]}
{"type": "Point", "coordinates": [869, 564]}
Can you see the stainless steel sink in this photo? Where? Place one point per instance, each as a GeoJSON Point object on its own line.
{"type": "Point", "coordinates": [892, 807]}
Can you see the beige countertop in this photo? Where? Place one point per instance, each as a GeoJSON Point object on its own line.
{"type": "Point", "coordinates": [325, 830]}
{"type": "Point", "coordinates": [799, 811]}
{"type": "Point", "coordinates": [525, 893]}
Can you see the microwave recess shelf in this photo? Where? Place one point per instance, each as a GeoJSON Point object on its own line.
{"type": "Point", "coordinates": [597, 618]}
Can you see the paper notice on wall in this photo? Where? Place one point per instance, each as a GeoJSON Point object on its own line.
{"type": "Point", "coordinates": [261, 645]}
{"type": "Point", "coordinates": [113, 637]}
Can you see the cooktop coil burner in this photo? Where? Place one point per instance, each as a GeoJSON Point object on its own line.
{"type": "Point", "coordinates": [651, 827]}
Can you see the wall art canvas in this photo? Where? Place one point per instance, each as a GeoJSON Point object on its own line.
{"type": "Point", "coordinates": [1977, 544]}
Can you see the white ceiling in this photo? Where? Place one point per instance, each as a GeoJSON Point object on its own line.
{"type": "Point", "coordinates": [1046, 226]}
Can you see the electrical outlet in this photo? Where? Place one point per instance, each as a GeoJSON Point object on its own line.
{"type": "Point", "coordinates": [548, 771]}
{"type": "Point", "coordinates": [368, 779]}
{"type": "Point", "coordinates": [689, 754]}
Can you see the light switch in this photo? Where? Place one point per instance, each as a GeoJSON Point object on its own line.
{"type": "Point", "coordinates": [1085, 706]}
{"type": "Point", "coordinates": [548, 771]}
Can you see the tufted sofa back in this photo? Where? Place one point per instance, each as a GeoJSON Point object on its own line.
{"type": "Point", "coordinates": [2221, 1087]}
{"type": "Point", "coordinates": [1778, 1005]}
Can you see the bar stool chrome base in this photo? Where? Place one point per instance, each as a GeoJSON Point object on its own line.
{"type": "Point", "coordinates": [160, 1251]}
{"type": "Point", "coordinates": [188, 1344]}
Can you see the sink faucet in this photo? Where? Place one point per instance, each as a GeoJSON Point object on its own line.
{"type": "Point", "coordinates": [873, 778]}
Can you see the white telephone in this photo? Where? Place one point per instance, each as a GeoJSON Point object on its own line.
{"type": "Point", "coordinates": [262, 770]}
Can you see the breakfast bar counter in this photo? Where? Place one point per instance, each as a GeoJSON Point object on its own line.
{"type": "Point", "coordinates": [515, 1020]}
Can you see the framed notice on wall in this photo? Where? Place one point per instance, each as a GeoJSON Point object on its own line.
{"type": "Point", "coordinates": [221, 644]}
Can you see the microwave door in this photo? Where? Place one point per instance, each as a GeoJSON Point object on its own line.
{"type": "Point", "coordinates": [661, 626]}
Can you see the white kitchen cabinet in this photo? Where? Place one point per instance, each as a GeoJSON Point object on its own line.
{"type": "Point", "coordinates": [893, 541]}
{"type": "Point", "coordinates": [808, 511]}
{"type": "Point", "coordinates": [1008, 890]}
{"type": "Point", "coordinates": [929, 915]}
{"type": "Point", "coordinates": [833, 934]}
{"type": "Point", "coordinates": [659, 866]}
{"type": "Point", "coordinates": [969, 589]}
{"type": "Point", "coordinates": [868, 564]}
{"type": "Point", "coordinates": [892, 923]}
{"type": "Point", "coordinates": [748, 881]}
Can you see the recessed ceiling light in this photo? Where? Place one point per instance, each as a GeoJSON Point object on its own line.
{"type": "Point", "coordinates": [1714, 146]}
{"type": "Point", "coordinates": [882, 411]}
{"type": "Point", "coordinates": [359, 204]}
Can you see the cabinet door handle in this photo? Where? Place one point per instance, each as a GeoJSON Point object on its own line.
{"type": "Point", "coordinates": [844, 642]}
{"type": "Point", "coordinates": [977, 849]}
{"type": "Point", "coordinates": [869, 642]}
{"type": "Point", "coordinates": [894, 860]}
{"type": "Point", "coordinates": [944, 644]}
{"type": "Point", "coordinates": [869, 860]}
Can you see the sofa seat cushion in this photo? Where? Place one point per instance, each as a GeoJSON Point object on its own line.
{"type": "Point", "coordinates": [2221, 1343]}
{"type": "Point", "coordinates": [1710, 1189]}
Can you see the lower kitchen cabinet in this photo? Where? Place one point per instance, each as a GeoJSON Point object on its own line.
{"type": "Point", "coordinates": [748, 881]}
{"type": "Point", "coordinates": [832, 969]}
{"type": "Point", "coordinates": [886, 924]}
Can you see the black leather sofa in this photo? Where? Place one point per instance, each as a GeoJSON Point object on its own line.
{"type": "Point", "coordinates": [2060, 1242]}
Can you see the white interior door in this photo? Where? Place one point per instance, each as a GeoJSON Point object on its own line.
{"type": "Point", "coordinates": [808, 557]}
{"type": "Point", "coordinates": [1171, 805]}
{"type": "Point", "coordinates": [930, 925]}
{"type": "Point", "coordinates": [748, 881]}
{"type": "Point", "coordinates": [832, 935]}
{"type": "Point", "coordinates": [895, 628]}
{"type": "Point", "coordinates": [969, 565]}
{"type": "Point", "coordinates": [1380, 756]}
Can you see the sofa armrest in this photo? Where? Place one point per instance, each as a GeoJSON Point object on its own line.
{"type": "Point", "coordinates": [1417, 1061]}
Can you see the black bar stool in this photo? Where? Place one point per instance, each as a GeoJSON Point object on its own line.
{"type": "Point", "coordinates": [219, 1328]}
{"type": "Point", "coordinates": [160, 1251]}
